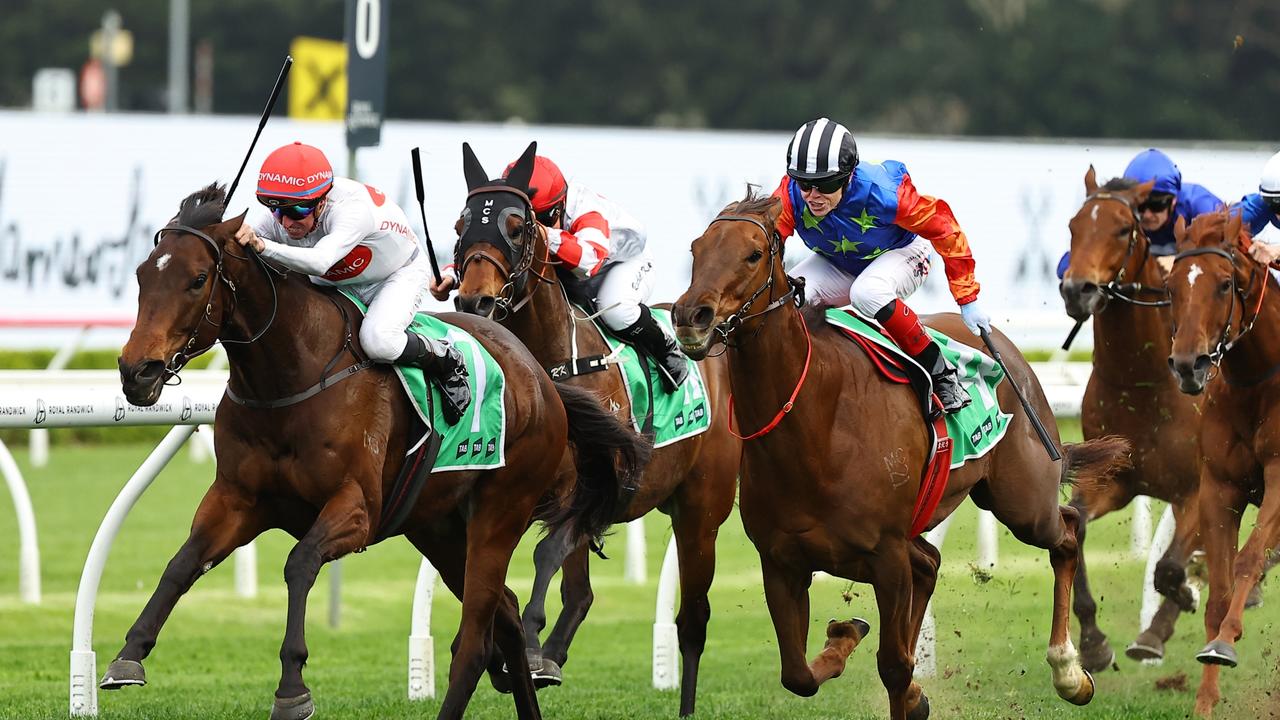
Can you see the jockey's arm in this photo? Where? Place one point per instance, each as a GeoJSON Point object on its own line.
{"type": "Point", "coordinates": [786, 222]}
{"type": "Point", "coordinates": [347, 232]}
{"type": "Point", "coordinates": [584, 246]}
{"type": "Point", "coordinates": [932, 219]}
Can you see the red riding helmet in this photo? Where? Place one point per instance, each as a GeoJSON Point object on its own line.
{"type": "Point", "coordinates": [294, 174]}
{"type": "Point", "coordinates": [547, 187]}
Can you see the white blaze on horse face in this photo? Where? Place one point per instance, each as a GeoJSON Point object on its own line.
{"type": "Point", "coordinates": [1194, 273]}
{"type": "Point", "coordinates": [163, 261]}
{"type": "Point", "coordinates": [1094, 214]}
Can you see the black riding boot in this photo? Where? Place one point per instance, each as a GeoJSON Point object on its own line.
{"type": "Point", "coordinates": [443, 365]}
{"type": "Point", "coordinates": [945, 383]}
{"type": "Point", "coordinates": [649, 336]}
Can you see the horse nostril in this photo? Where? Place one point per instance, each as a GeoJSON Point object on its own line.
{"type": "Point", "coordinates": [702, 317]}
{"type": "Point", "coordinates": [1088, 289]}
{"type": "Point", "coordinates": [484, 308]}
{"type": "Point", "coordinates": [1202, 363]}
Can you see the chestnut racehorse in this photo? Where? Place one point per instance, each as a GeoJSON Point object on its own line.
{"type": "Point", "coordinates": [1114, 278]}
{"type": "Point", "coordinates": [316, 461]}
{"type": "Point", "coordinates": [507, 272]}
{"type": "Point", "coordinates": [831, 483]}
{"type": "Point", "coordinates": [1226, 312]}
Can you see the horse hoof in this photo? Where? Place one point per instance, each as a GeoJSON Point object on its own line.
{"type": "Point", "coordinates": [921, 710]}
{"type": "Point", "coordinates": [857, 628]}
{"type": "Point", "coordinates": [121, 673]}
{"type": "Point", "coordinates": [500, 681]}
{"type": "Point", "coordinates": [547, 675]}
{"type": "Point", "coordinates": [1097, 657]}
{"type": "Point", "coordinates": [294, 708]}
{"type": "Point", "coordinates": [1084, 693]}
{"type": "Point", "coordinates": [1218, 653]}
{"type": "Point", "coordinates": [1146, 647]}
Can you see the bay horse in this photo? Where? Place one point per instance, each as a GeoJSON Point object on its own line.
{"type": "Point", "coordinates": [830, 482]}
{"type": "Point", "coordinates": [506, 271]}
{"type": "Point", "coordinates": [1226, 321]}
{"type": "Point", "coordinates": [319, 468]}
{"type": "Point", "coordinates": [1114, 278]}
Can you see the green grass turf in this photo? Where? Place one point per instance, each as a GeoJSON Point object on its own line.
{"type": "Point", "coordinates": [218, 655]}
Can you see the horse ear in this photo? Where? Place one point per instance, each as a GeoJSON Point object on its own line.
{"type": "Point", "coordinates": [1180, 230]}
{"type": "Point", "coordinates": [522, 171]}
{"type": "Point", "coordinates": [1142, 190]}
{"type": "Point", "coordinates": [472, 170]}
{"type": "Point", "coordinates": [226, 230]}
{"type": "Point", "coordinates": [1090, 181]}
{"type": "Point", "coordinates": [772, 212]}
{"type": "Point", "coordinates": [1234, 223]}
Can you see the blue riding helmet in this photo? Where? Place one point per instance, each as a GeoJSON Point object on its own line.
{"type": "Point", "coordinates": [1151, 164]}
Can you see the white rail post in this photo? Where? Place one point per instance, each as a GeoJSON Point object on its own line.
{"type": "Point", "coordinates": [666, 644]}
{"type": "Point", "coordinates": [988, 545]}
{"type": "Point", "coordinates": [636, 572]}
{"type": "Point", "coordinates": [1141, 528]}
{"type": "Point", "coordinates": [28, 544]}
{"type": "Point", "coordinates": [927, 643]}
{"type": "Point", "coordinates": [422, 659]}
{"type": "Point", "coordinates": [84, 671]}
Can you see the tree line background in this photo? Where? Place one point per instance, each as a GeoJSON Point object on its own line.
{"type": "Point", "coordinates": [1172, 69]}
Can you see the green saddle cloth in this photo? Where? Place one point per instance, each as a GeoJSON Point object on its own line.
{"type": "Point", "coordinates": [676, 416]}
{"type": "Point", "coordinates": [979, 426]}
{"type": "Point", "coordinates": [478, 440]}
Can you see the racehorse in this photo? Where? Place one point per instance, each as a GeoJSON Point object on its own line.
{"type": "Point", "coordinates": [316, 460]}
{"type": "Point", "coordinates": [506, 271]}
{"type": "Point", "coordinates": [1114, 278]}
{"type": "Point", "coordinates": [830, 481]}
{"type": "Point", "coordinates": [1225, 319]}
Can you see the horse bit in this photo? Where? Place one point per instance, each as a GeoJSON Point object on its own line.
{"type": "Point", "coordinates": [795, 292]}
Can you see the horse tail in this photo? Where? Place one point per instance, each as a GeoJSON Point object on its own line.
{"type": "Point", "coordinates": [1093, 463]}
{"type": "Point", "coordinates": [609, 457]}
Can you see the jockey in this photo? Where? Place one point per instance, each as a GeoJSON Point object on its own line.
{"type": "Point", "coordinates": [1170, 199]}
{"type": "Point", "coordinates": [342, 232]}
{"type": "Point", "coordinates": [871, 233]}
{"type": "Point", "coordinates": [601, 248]}
{"type": "Point", "coordinates": [1263, 208]}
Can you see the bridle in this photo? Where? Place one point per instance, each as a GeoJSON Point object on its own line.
{"type": "Point", "coordinates": [1117, 288]}
{"type": "Point", "coordinates": [795, 291]}
{"type": "Point", "coordinates": [1224, 344]}
{"type": "Point", "coordinates": [186, 354]}
{"type": "Point", "coordinates": [512, 295]}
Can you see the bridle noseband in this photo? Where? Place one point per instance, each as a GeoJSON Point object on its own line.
{"type": "Point", "coordinates": [795, 291]}
{"type": "Point", "coordinates": [186, 354]}
{"type": "Point", "coordinates": [519, 260]}
{"type": "Point", "coordinates": [1117, 288]}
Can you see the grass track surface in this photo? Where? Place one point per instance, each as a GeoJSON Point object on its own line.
{"type": "Point", "coordinates": [218, 655]}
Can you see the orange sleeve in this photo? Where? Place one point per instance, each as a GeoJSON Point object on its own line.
{"type": "Point", "coordinates": [932, 219]}
{"type": "Point", "coordinates": [787, 218]}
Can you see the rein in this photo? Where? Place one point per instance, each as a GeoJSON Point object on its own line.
{"type": "Point", "coordinates": [184, 356]}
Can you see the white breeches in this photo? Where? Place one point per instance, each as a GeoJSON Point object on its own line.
{"type": "Point", "coordinates": [392, 304]}
{"type": "Point", "coordinates": [895, 274]}
{"type": "Point", "coordinates": [625, 286]}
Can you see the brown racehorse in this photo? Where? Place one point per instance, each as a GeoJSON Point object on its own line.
{"type": "Point", "coordinates": [318, 468]}
{"type": "Point", "coordinates": [1226, 311]}
{"type": "Point", "coordinates": [831, 483]}
{"type": "Point", "coordinates": [507, 272]}
{"type": "Point", "coordinates": [1114, 278]}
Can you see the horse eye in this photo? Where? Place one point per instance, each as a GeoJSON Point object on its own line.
{"type": "Point", "coordinates": [755, 256]}
{"type": "Point", "coordinates": [1224, 287]}
{"type": "Point", "coordinates": [199, 281]}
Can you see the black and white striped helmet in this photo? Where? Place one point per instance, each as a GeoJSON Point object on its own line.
{"type": "Point", "coordinates": [820, 150]}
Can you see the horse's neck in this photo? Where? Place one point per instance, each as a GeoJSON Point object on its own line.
{"type": "Point", "coordinates": [545, 324]}
{"type": "Point", "coordinates": [302, 338]}
{"type": "Point", "coordinates": [1133, 341]}
{"type": "Point", "coordinates": [766, 361]}
{"type": "Point", "coordinates": [1258, 352]}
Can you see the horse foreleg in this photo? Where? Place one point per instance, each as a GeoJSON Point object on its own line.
{"type": "Point", "coordinates": [1221, 503]}
{"type": "Point", "coordinates": [509, 636]}
{"type": "Point", "coordinates": [695, 535]}
{"type": "Point", "coordinates": [786, 593]}
{"type": "Point", "coordinates": [551, 553]}
{"type": "Point", "coordinates": [892, 580]}
{"type": "Point", "coordinates": [1170, 579]}
{"type": "Point", "coordinates": [341, 527]}
{"type": "Point", "coordinates": [1073, 682]}
{"type": "Point", "coordinates": [223, 522]}
{"type": "Point", "coordinates": [1247, 570]}
{"type": "Point", "coordinates": [576, 598]}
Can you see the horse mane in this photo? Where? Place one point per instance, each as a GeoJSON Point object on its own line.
{"type": "Point", "coordinates": [203, 207]}
{"type": "Point", "coordinates": [1120, 183]}
{"type": "Point", "coordinates": [753, 204]}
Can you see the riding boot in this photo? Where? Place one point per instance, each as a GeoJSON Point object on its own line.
{"type": "Point", "coordinates": [647, 335]}
{"type": "Point", "coordinates": [903, 325]}
{"type": "Point", "coordinates": [443, 365]}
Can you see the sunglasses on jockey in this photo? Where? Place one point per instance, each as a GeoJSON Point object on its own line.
{"type": "Point", "coordinates": [286, 208]}
{"type": "Point", "coordinates": [825, 186]}
{"type": "Point", "coordinates": [1156, 202]}
{"type": "Point", "coordinates": [1272, 202]}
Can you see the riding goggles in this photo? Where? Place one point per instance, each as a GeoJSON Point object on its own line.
{"type": "Point", "coordinates": [297, 211]}
{"type": "Point", "coordinates": [1272, 202]}
{"type": "Point", "coordinates": [826, 187]}
{"type": "Point", "coordinates": [1156, 202]}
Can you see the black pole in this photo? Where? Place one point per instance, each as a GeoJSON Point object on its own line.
{"type": "Point", "coordinates": [1071, 336]}
{"type": "Point", "coordinates": [422, 206]}
{"type": "Point", "coordinates": [1026, 406]}
{"type": "Point", "coordinates": [266, 113]}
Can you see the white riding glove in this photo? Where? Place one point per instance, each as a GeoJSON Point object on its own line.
{"type": "Point", "coordinates": [975, 317]}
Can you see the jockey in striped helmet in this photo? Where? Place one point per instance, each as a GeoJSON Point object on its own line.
{"type": "Point", "coordinates": [871, 233]}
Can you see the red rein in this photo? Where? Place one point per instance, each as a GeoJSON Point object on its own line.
{"type": "Point", "coordinates": [786, 408]}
